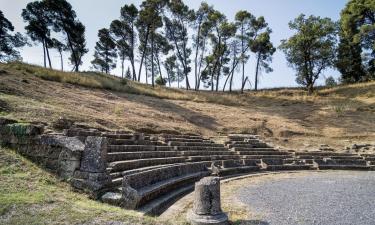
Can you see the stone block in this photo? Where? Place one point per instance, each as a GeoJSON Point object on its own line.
{"type": "Point", "coordinates": [207, 206]}
{"type": "Point", "coordinates": [94, 155]}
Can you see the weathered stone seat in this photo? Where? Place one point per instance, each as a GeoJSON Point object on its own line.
{"type": "Point", "coordinates": [192, 144]}
{"type": "Point", "coordinates": [251, 152]}
{"type": "Point", "coordinates": [133, 164]}
{"type": "Point", "coordinates": [135, 148]}
{"type": "Point", "coordinates": [212, 158]}
{"type": "Point", "coordinates": [121, 156]}
{"type": "Point", "coordinates": [205, 153]}
{"type": "Point", "coordinates": [200, 148]}
{"type": "Point", "coordinates": [247, 149]}
{"type": "Point", "coordinates": [141, 188]}
{"type": "Point", "coordinates": [266, 156]}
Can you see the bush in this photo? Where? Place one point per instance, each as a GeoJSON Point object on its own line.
{"type": "Point", "coordinates": [331, 82]}
{"type": "Point", "coordinates": [161, 81]}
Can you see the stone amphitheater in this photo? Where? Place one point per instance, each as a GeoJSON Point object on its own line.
{"type": "Point", "coordinates": [149, 172]}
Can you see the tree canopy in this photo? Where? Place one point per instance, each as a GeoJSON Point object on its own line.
{"type": "Point", "coordinates": [312, 49]}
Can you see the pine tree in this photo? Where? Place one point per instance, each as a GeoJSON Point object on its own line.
{"type": "Point", "coordinates": [105, 52]}
{"type": "Point", "coordinates": [9, 42]}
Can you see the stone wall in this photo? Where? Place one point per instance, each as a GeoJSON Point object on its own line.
{"type": "Point", "coordinates": [81, 161]}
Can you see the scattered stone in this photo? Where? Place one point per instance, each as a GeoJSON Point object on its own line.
{"type": "Point", "coordinates": [207, 206]}
{"type": "Point", "coordinates": [112, 198]}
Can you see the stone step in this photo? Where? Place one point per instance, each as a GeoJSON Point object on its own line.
{"type": "Point", "coordinates": [120, 156]}
{"type": "Point", "coordinates": [175, 140]}
{"type": "Point", "coordinates": [238, 170]}
{"type": "Point", "coordinates": [121, 174]}
{"type": "Point", "coordinates": [266, 157]}
{"type": "Point", "coordinates": [344, 167]}
{"type": "Point", "coordinates": [130, 148]}
{"type": "Point", "coordinates": [134, 164]}
{"type": "Point", "coordinates": [289, 167]}
{"type": "Point", "coordinates": [112, 141]}
{"type": "Point", "coordinates": [123, 136]}
{"type": "Point", "coordinates": [157, 206]}
{"type": "Point", "coordinates": [247, 149]}
{"type": "Point", "coordinates": [239, 137]}
{"type": "Point", "coordinates": [194, 144]}
{"type": "Point", "coordinates": [200, 148]}
{"type": "Point", "coordinates": [331, 157]}
{"type": "Point", "coordinates": [304, 154]}
{"type": "Point", "coordinates": [168, 136]}
{"type": "Point", "coordinates": [206, 153]}
{"type": "Point", "coordinates": [341, 162]}
{"type": "Point", "coordinates": [257, 145]}
{"type": "Point", "coordinates": [153, 191]}
{"type": "Point", "coordinates": [262, 153]}
{"type": "Point", "coordinates": [212, 158]}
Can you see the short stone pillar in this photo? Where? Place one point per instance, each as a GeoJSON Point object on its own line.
{"type": "Point", "coordinates": [207, 206]}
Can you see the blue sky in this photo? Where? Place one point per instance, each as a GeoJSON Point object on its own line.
{"type": "Point", "coordinates": [96, 14]}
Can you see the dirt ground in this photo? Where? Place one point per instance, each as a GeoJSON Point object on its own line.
{"type": "Point", "coordinates": [335, 117]}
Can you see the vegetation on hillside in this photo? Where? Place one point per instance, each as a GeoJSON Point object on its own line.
{"type": "Point", "coordinates": [158, 35]}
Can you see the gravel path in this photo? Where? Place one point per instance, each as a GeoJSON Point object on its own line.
{"type": "Point", "coordinates": [333, 198]}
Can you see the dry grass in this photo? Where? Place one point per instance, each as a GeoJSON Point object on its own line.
{"type": "Point", "coordinates": [287, 117]}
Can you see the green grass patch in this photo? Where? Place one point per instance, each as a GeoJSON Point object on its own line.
{"type": "Point", "coordinates": [30, 195]}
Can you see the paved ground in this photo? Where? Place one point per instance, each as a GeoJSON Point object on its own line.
{"type": "Point", "coordinates": [337, 198]}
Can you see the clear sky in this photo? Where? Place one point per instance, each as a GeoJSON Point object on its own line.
{"type": "Point", "coordinates": [97, 14]}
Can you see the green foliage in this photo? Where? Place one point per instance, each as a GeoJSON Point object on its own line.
{"type": "Point", "coordinates": [161, 81]}
{"type": "Point", "coordinates": [312, 49]}
{"type": "Point", "coordinates": [177, 33]}
{"type": "Point", "coordinates": [331, 82]}
{"type": "Point", "coordinates": [105, 52]}
{"type": "Point", "coordinates": [8, 42]}
{"type": "Point", "coordinates": [356, 58]}
{"type": "Point", "coordinates": [65, 21]}
{"type": "Point", "coordinates": [124, 34]}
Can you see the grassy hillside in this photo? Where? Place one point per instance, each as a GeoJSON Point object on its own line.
{"type": "Point", "coordinates": [287, 117]}
{"type": "Point", "coordinates": [29, 195]}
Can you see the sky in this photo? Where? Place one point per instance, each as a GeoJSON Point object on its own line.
{"type": "Point", "coordinates": [97, 14]}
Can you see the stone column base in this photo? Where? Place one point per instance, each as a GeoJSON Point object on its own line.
{"type": "Point", "coordinates": [219, 219]}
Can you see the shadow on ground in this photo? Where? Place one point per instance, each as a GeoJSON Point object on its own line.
{"type": "Point", "coordinates": [250, 222]}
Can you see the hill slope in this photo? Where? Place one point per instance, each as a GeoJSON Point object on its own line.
{"type": "Point", "coordinates": [286, 117]}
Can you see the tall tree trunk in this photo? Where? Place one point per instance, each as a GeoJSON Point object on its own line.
{"type": "Point", "coordinates": [152, 60]}
{"type": "Point", "coordinates": [196, 56]}
{"type": "Point", "coordinates": [143, 54]}
{"type": "Point", "coordinates": [256, 72]}
{"type": "Point", "coordinates": [200, 63]}
{"type": "Point", "coordinates": [44, 54]}
{"type": "Point", "coordinates": [49, 58]}
{"type": "Point", "coordinates": [158, 61]}
{"type": "Point", "coordinates": [122, 66]}
{"type": "Point", "coordinates": [132, 53]}
{"type": "Point", "coordinates": [242, 56]}
{"type": "Point", "coordinates": [61, 61]}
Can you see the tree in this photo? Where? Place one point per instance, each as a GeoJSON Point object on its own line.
{"type": "Point", "coordinates": [148, 22]}
{"type": "Point", "coordinates": [244, 22]}
{"type": "Point", "coordinates": [9, 42]}
{"type": "Point", "coordinates": [60, 47]}
{"type": "Point", "coordinates": [105, 52]}
{"type": "Point", "coordinates": [312, 49]}
{"type": "Point", "coordinates": [203, 27]}
{"type": "Point", "coordinates": [37, 16]}
{"type": "Point", "coordinates": [65, 20]}
{"type": "Point", "coordinates": [222, 31]}
{"type": "Point", "coordinates": [124, 33]}
{"type": "Point", "coordinates": [331, 82]}
{"type": "Point", "coordinates": [357, 36]}
{"type": "Point", "coordinates": [177, 33]}
{"type": "Point", "coordinates": [128, 74]}
{"type": "Point", "coordinates": [264, 50]}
